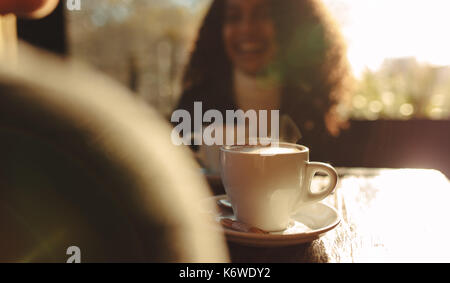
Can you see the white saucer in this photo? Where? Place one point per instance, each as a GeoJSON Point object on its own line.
{"type": "Point", "coordinates": [311, 222]}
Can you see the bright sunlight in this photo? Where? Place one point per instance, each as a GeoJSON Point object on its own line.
{"type": "Point", "coordinates": [380, 29]}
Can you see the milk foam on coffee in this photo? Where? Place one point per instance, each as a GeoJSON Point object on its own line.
{"type": "Point", "coordinates": [269, 150]}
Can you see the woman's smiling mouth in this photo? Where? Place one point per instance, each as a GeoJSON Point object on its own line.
{"type": "Point", "coordinates": [250, 48]}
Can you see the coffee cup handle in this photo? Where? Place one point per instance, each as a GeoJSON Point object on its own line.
{"type": "Point", "coordinates": [311, 169]}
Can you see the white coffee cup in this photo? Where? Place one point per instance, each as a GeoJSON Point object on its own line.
{"type": "Point", "coordinates": [266, 185]}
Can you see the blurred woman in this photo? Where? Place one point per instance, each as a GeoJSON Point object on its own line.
{"type": "Point", "coordinates": [270, 55]}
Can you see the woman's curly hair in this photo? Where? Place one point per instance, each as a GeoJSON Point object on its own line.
{"type": "Point", "coordinates": [311, 60]}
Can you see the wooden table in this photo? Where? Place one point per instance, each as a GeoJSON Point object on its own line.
{"type": "Point", "coordinates": [388, 215]}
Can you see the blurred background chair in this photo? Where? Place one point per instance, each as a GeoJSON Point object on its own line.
{"type": "Point", "coordinates": [82, 163]}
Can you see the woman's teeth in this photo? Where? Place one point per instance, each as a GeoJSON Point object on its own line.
{"type": "Point", "coordinates": [250, 47]}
